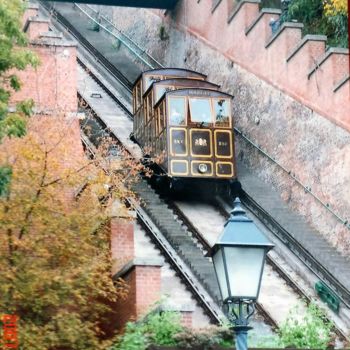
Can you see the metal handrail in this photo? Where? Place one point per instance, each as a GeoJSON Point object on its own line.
{"type": "Point", "coordinates": [176, 261]}
{"type": "Point", "coordinates": [105, 18]}
{"type": "Point", "coordinates": [117, 34]}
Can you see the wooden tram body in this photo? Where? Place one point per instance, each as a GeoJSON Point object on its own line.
{"type": "Point", "coordinates": [185, 124]}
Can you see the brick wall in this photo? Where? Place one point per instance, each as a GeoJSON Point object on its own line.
{"type": "Point", "coordinates": [243, 34]}
{"type": "Point", "coordinates": [122, 242]}
{"type": "Point", "coordinates": [127, 308]}
{"type": "Point", "coordinates": [307, 138]}
{"type": "Point", "coordinates": [52, 85]}
{"type": "Point", "coordinates": [147, 288]}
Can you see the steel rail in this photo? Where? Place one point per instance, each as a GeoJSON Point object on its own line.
{"type": "Point", "coordinates": [307, 189]}
{"type": "Point", "coordinates": [274, 263]}
{"type": "Point", "coordinates": [271, 223]}
{"type": "Point", "coordinates": [170, 254]}
{"type": "Point", "coordinates": [88, 47]}
{"type": "Point", "coordinates": [293, 245]}
{"type": "Point", "coordinates": [196, 234]}
{"type": "Point", "coordinates": [108, 91]}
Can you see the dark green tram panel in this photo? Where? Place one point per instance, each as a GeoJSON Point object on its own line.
{"type": "Point", "coordinates": [200, 141]}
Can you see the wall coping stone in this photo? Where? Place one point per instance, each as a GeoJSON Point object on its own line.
{"type": "Point", "coordinates": [329, 52]}
{"type": "Point", "coordinates": [156, 262]}
{"type": "Point", "coordinates": [37, 19]}
{"type": "Point", "coordinates": [32, 6]}
{"type": "Point", "coordinates": [341, 83]}
{"type": "Point", "coordinates": [53, 41]}
{"type": "Point", "coordinates": [262, 13]}
{"type": "Point", "coordinates": [215, 5]}
{"type": "Point", "coordinates": [168, 306]}
{"type": "Point", "coordinates": [281, 29]}
{"type": "Point", "coordinates": [52, 34]}
{"type": "Point", "coordinates": [239, 6]}
{"type": "Point", "coordinates": [304, 41]}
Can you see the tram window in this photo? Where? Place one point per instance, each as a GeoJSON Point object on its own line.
{"type": "Point", "coordinates": [138, 95]}
{"type": "Point", "coordinates": [222, 112]}
{"type": "Point", "coordinates": [150, 79]}
{"type": "Point", "coordinates": [149, 106]}
{"type": "Point", "coordinates": [160, 90]}
{"type": "Point", "coordinates": [176, 111]}
{"type": "Point", "coordinates": [160, 119]}
{"type": "Point", "coordinates": [200, 110]}
{"type": "Point", "coordinates": [161, 116]}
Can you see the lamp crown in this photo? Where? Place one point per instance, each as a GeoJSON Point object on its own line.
{"type": "Point", "coordinates": [237, 209]}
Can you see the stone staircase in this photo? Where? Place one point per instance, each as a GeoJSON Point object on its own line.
{"type": "Point", "coordinates": [178, 237]}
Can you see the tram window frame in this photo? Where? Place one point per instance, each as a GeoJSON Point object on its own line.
{"type": "Point", "coordinates": [149, 100]}
{"type": "Point", "coordinates": [134, 100]}
{"type": "Point", "coordinates": [138, 94]}
{"type": "Point", "coordinates": [214, 101]}
{"type": "Point", "coordinates": [156, 77]}
{"type": "Point", "coordinates": [167, 88]}
{"type": "Point", "coordinates": [184, 98]}
{"type": "Point", "coordinates": [162, 117]}
{"type": "Point", "coordinates": [208, 98]}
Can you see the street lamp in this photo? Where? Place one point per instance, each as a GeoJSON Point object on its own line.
{"type": "Point", "coordinates": [239, 257]}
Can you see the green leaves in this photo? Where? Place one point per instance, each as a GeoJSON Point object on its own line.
{"type": "Point", "coordinates": [313, 14]}
{"type": "Point", "coordinates": [159, 328]}
{"type": "Point", "coordinates": [26, 107]}
{"type": "Point", "coordinates": [311, 331]}
{"type": "Point", "coordinates": [5, 178]}
{"type": "Point", "coordinates": [14, 125]}
{"type": "Point", "coordinates": [13, 55]}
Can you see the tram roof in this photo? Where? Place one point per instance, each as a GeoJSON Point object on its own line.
{"type": "Point", "coordinates": [183, 81]}
{"type": "Point", "coordinates": [194, 93]}
{"type": "Point", "coordinates": [168, 71]}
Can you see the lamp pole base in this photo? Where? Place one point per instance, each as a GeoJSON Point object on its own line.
{"type": "Point", "coordinates": [241, 336]}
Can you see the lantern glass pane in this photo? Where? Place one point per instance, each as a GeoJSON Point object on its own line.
{"type": "Point", "coordinates": [244, 266]}
{"type": "Point", "coordinates": [220, 273]}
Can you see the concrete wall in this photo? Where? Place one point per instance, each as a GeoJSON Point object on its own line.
{"type": "Point", "coordinates": [293, 115]}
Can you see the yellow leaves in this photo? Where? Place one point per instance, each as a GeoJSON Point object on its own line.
{"type": "Point", "coordinates": [335, 7]}
{"type": "Point", "coordinates": [54, 218]}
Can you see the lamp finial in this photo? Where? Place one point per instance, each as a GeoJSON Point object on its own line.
{"type": "Point", "coordinates": [237, 209]}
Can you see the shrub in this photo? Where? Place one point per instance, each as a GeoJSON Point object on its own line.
{"type": "Point", "coordinates": [205, 338]}
{"type": "Point", "coordinates": [312, 331]}
{"type": "Point", "coordinates": [158, 328]}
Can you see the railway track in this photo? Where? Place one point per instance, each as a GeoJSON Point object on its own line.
{"type": "Point", "coordinates": [205, 275]}
{"type": "Point", "coordinates": [177, 244]}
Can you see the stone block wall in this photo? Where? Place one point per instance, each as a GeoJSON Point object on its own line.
{"type": "Point", "coordinates": [289, 97]}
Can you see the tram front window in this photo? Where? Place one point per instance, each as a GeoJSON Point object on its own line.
{"type": "Point", "coordinates": [222, 112]}
{"type": "Point", "coordinates": [200, 110]}
{"type": "Point", "coordinates": [177, 111]}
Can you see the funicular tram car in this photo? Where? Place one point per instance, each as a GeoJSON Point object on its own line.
{"type": "Point", "coordinates": [185, 123]}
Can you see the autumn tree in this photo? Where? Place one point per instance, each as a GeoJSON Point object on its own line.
{"type": "Point", "coordinates": [13, 55]}
{"type": "Point", "coordinates": [55, 264]}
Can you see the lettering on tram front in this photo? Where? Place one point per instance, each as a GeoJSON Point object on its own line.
{"type": "Point", "coordinates": [200, 142]}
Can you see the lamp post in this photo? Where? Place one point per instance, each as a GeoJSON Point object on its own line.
{"type": "Point", "coordinates": [238, 258]}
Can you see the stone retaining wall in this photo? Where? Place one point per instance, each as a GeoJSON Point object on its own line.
{"type": "Point", "coordinates": [279, 95]}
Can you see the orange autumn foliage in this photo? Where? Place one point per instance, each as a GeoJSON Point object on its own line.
{"type": "Point", "coordinates": [55, 258]}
